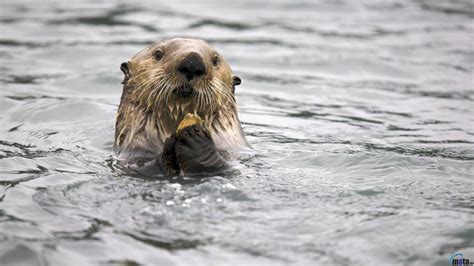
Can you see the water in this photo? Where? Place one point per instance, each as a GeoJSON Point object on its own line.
{"type": "Point", "coordinates": [360, 114]}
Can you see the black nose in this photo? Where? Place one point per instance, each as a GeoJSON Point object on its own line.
{"type": "Point", "coordinates": [192, 66]}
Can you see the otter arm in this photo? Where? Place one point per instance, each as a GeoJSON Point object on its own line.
{"type": "Point", "coordinates": [194, 153]}
{"type": "Point", "coordinates": [169, 162]}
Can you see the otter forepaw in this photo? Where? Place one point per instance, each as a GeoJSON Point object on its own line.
{"type": "Point", "coordinates": [168, 158]}
{"type": "Point", "coordinates": [196, 152]}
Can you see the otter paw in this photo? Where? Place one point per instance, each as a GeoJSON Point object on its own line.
{"type": "Point", "coordinates": [168, 157]}
{"type": "Point", "coordinates": [196, 152]}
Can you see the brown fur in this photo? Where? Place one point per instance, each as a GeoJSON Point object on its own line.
{"type": "Point", "coordinates": [149, 112]}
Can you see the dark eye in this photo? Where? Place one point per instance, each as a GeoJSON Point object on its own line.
{"type": "Point", "coordinates": [158, 55]}
{"type": "Point", "coordinates": [215, 60]}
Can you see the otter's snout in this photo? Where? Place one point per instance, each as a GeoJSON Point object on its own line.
{"type": "Point", "coordinates": [192, 66]}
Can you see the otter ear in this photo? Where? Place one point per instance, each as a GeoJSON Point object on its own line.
{"type": "Point", "coordinates": [235, 82]}
{"type": "Point", "coordinates": [125, 67]}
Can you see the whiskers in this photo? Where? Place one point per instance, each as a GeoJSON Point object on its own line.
{"type": "Point", "coordinates": [161, 107]}
{"type": "Point", "coordinates": [157, 90]}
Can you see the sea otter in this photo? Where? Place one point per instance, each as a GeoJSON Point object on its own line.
{"type": "Point", "coordinates": [162, 84]}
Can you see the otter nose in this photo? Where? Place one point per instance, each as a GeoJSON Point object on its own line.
{"type": "Point", "coordinates": [192, 66]}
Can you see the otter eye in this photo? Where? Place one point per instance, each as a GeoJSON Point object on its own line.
{"type": "Point", "coordinates": [215, 60]}
{"type": "Point", "coordinates": [158, 55]}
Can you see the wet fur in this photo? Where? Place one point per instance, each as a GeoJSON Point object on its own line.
{"type": "Point", "coordinates": [149, 111]}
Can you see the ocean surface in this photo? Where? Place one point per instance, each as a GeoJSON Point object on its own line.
{"type": "Point", "coordinates": [360, 115]}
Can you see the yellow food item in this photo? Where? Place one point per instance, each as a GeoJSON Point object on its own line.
{"type": "Point", "coordinates": [189, 120]}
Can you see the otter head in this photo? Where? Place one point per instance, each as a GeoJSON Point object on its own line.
{"type": "Point", "coordinates": [169, 79]}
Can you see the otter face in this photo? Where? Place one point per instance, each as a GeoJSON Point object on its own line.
{"type": "Point", "coordinates": [181, 68]}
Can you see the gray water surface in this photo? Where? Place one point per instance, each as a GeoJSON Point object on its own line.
{"type": "Point", "coordinates": [360, 114]}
